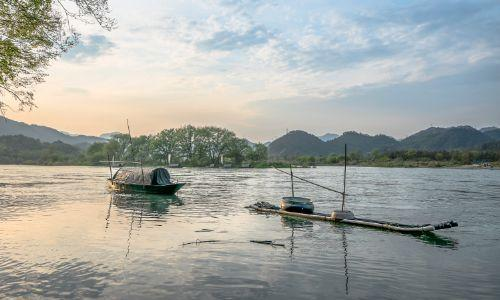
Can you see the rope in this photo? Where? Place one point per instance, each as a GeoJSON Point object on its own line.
{"type": "Point", "coordinates": [310, 182]}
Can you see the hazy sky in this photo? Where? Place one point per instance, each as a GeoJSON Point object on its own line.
{"type": "Point", "coordinates": [260, 67]}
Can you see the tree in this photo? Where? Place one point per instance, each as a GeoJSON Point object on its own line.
{"type": "Point", "coordinates": [237, 149]}
{"type": "Point", "coordinates": [32, 34]}
{"type": "Point", "coordinates": [165, 143]}
{"type": "Point", "coordinates": [259, 153]}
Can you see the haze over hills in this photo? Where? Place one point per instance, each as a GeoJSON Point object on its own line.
{"type": "Point", "coordinates": [44, 134]}
{"type": "Point", "coordinates": [328, 137]}
{"type": "Point", "coordinates": [298, 143]}
{"type": "Point", "coordinates": [492, 132]}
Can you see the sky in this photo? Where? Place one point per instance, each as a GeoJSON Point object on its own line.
{"type": "Point", "coordinates": [260, 68]}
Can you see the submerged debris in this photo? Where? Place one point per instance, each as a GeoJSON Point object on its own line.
{"type": "Point", "coordinates": [204, 230]}
{"type": "Point", "coordinates": [270, 243]}
{"type": "Point", "coordinates": [263, 242]}
{"type": "Point", "coordinates": [200, 242]}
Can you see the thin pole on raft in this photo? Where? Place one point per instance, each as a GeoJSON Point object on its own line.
{"type": "Point", "coordinates": [345, 171]}
{"type": "Point", "coordinates": [291, 178]}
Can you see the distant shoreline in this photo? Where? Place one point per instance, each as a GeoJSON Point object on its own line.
{"type": "Point", "coordinates": [422, 166]}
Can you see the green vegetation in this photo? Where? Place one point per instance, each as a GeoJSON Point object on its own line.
{"type": "Point", "coordinates": [407, 158]}
{"type": "Point", "coordinates": [186, 146]}
{"type": "Point", "coordinates": [18, 149]}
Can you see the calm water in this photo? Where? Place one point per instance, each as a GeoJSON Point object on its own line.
{"type": "Point", "coordinates": [63, 234]}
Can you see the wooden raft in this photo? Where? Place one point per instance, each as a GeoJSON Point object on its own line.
{"type": "Point", "coordinates": [358, 221]}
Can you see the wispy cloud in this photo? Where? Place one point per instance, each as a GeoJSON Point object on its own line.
{"type": "Point", "coordinates": [231, 40]}
{"type": "Point", "coordinates": [89, 48]}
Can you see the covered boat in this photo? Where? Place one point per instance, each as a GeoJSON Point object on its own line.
{"type": "Point", "coordinates": [144, 180]}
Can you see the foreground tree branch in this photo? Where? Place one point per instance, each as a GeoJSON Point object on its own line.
{"type": "Point", "coordinates": [33, 33]}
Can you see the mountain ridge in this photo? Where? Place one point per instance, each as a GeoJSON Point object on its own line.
{"type": "Point", "coordinates": [46, 134]}
{"type": "Point", "coordinates": [294, 143]}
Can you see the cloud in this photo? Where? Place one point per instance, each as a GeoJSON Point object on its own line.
{"type": "Point", "coordinates": [230, 40]}
{"type": "Point", "coordinates": [89, 48]}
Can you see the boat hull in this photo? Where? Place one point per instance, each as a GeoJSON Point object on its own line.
{"type": "Point", "coordinates": [168, 189]}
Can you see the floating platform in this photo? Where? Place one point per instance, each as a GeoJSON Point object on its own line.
{"type": "Point", "coordinates": [347, 217]}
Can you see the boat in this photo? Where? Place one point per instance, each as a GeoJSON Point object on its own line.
{"type": "Point", "coordinates": [144, 180]}
{"type": "Point", "coordinates": [297, 204]}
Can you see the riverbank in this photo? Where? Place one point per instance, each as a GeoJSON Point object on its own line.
{"type": "Point", "coordinates": [267, 165]}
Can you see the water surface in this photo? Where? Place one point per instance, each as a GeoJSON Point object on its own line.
{"type": "Point", "coordinates": [63, 234]}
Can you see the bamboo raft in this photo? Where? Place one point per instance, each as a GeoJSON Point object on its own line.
{"type": "Point", "coordinates": [264, 207]}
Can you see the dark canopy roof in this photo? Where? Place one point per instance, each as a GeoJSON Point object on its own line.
{"type": "Point", "coordinates": [152, 176]}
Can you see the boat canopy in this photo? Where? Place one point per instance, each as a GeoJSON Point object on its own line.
{"type": "Point", "coordinates": [144, 176]}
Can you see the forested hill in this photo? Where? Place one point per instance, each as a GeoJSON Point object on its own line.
{"type": "Point", "coordinates": [300, 143]}
{"type": "Point", "coordinates": [453, 138]}
{"type": "Point", "coordinates": [296, 143]}
{"type": "Point", "coordinates": [363, 143]}
{"type": "Point", "coordinates": [44, 134]}
{"type": "Point", "coordinates": [18, 149]}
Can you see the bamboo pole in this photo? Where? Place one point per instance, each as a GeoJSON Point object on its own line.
{"type": "Point", "coordinates": [291, 178]}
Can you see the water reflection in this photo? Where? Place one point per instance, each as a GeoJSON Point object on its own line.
{"type": "Point", "coordinates": [430, 238]}
{"type": "Point", "coordinates": [346, 269]}
{"type": "Point", "coordinates": [292, 223]}
{"type": "Point", "coordinates": [148, 204]}
{"type": "Point", "coordinates": [140, 206]}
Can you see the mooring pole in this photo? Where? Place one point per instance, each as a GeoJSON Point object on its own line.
{"type": "Point", "coordinates": [110, 169]}
{"type": "Point", "coordinates": [142, 171]}
{"type": "Point", "coordinates": [291, 178]}
{"type": "Point", "coordinates": [345, 171]}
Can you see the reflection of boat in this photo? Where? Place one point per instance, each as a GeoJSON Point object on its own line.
{"type": "Point", "coordinates": [141, 206]}
{"type": "Point", "coordinates": [144, 180]}
{"type": "Point", "coordinates": [291, 222]}
{"type": "Point", "coordinates": [145, 203]}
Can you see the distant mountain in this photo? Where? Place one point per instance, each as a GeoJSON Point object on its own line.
{"type": "Point", "coordinates": [486, 129]}
{"type": "Point", "coordinates": [492, 132]}
{"type": "Point", "coordinates": [296, 143]}
{"type": "Point", "coordinates": [452, 138]}
{"type": "Point", "coordinates": [360, 142]}
{"type": "Point", "coordinates": [44, 134]}
{"type": "Point", "coordinates": [328, 137]}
